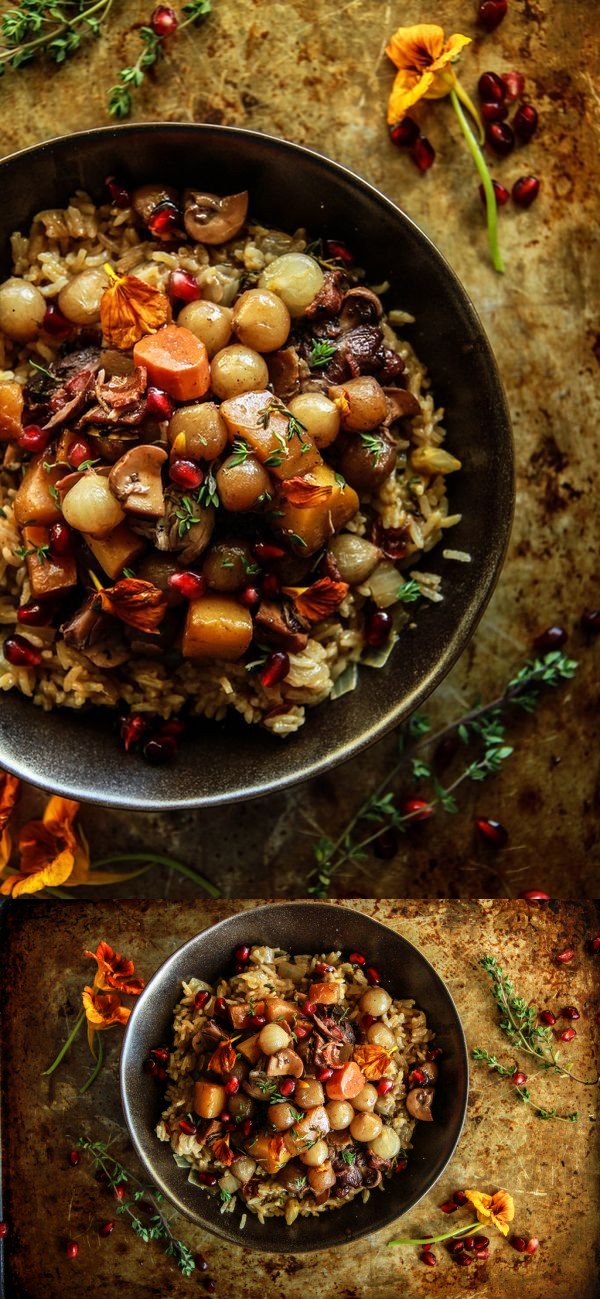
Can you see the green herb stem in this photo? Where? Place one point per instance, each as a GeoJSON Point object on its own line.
{"type": "Point", "coordinates": [23, 52]}
{"type": "Point", "coordinates": [486, 180]}
{"type": "Point", "coordinates": [97, 1068]}
{"type": "Point", "coordinates": [156, 859]}
{"type": "Point", "coordinates": [432, 1240]}
{"type": "Point", "coordinates": [71, 1038]}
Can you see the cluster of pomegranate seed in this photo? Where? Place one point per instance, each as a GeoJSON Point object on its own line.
{"type": "Point", "coordinates": [155, 1064]}
{"type": "Point", "coordinates": [496, 92]}
{"type": "Point", "coordinates": [406, 135]}
{"type": "Point", "coordinates": [491, 832]}
{"type": "Point", "coordinates": [524, 1245]}
{"type": "Point", "coordinates": [157, 739]}
{"type": "Point", "coordinates": [467, 1249]}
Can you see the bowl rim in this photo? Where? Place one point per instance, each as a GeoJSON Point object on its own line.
{"type": "Point", "coordinates": [337, 751]}
{"type": "Point", "coordinates": [127, 1079]}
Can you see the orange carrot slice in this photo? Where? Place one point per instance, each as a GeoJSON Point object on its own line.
{"type": "Point", "coordinates": [176, 361]}
{"type": "Point", "coordinates": [346, 1082]}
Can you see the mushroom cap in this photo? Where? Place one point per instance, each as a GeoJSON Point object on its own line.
{"type": "Point", "coordinates": [146, 198]}
{"type": "Point", "coordinates": [418, 1103]}
{"type": "Point", "coordinates": [210, 219]}
{"type": "Point", "coordinates": [136, 480]}
{"type": "Point", "coordinates": [285, 1062]}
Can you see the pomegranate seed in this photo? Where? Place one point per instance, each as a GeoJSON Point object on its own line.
{"type": "Point", "coordinates": [459, 1198]}
{"type": "Point", "coordinates": [33, 614]}
{"type": "Point", "coordinates": [189, 585]}
{"type": "Point", "coordinates": [378, 627]}
{"type": "Point", "coordinates": [482, 1253]}
{"type": "Point", "coordinates": [357, 958]}
{"type": "Point", "coordinates": [423, 153]}
{"type": "Point", "coordinates": [185, 474]}
{"type": "Point", "coordinates": [435, 1053]}
{"type": "Point", "coordinates": [239, 967]}
{"type": "Point", "coordinates": [106, 1229]}
{"type": "Point", "coordinates": [384, 1086]}
{"type": "Point", "coordinates": [150, 1067]}
{"type": "Point", "coordinates": [265, 550]}
{"type": "Point", "coordinates": [184, 286]}
{"type": "Point", "coordinates": [242, 953]}
{"type": "Point", "coordinates": [501, 194]}
{"type": "Point", "coordinates": [500, 136]}
{"type": "Point", "coordinates": [570, 1012]}
{"type": "Point", "coordinates": [72, 1249]}
{"type": "Point", "coordinates": [514, 85]}
{"type": "Point", "coordinates": [164, 21]}
{"type": "Point", "coordinates": [220, 1006]}
{"type": "Point", "coordinates": [249, 596]}
{"type": "Point", "coordinates": [491, 13]}
{"type": "Point", "coordinates": [287, 1087]}
{"type": "Point", "coordinates": [373, 976]}
{"type": "Point", "coordinates": [567, 1034]}
{"type": "Point", "coordinates": [324, 1075]}
{"type": "Point", "coordinates": [54, 323]}
{"type": "Point", "coordinates": [590, 621]}
{"type": "Point", "coordinates": [119, 1192]}
{"type": "Point", "coordinates": [428, 1257]}
{"type": "Point", "coordinates": [448, 1206]}
{"type": "Point", "coordinates": [519, 1243]}
{"type": "Point", "coordinates": [247, 1128]}
{"type": "Point", "coordinates": [462, 1259]}
{"type": "Point", "coordinates": [302, 1031]}
{"type": "Point", "coordinates": [595, 945]}
{"type": "Point", "coordinates": [188, 1129]}
{"type": "Point", "coordinates": [339, 252]}
{"type": "Point", "coordinates": [534, 895]}
{"type": "Point", "coordinates": [532, 1245]}
{"type": "Point", "coordinates": [492, 832]}
{"type": "Point", "coordinates": [74, 1158]}
{"type": "Point", "coordinates": [271, 585]}
{"type": "Point", "coordinates": [210, 1285]}
{"type": "Point", "coordinates": [405, 133]}
{"type": "Point", "coordinates": [133, 728]}
{"type": "Point", "coordinates": [258, 1021]}
{"type": "Point", "coordinates": [367, 1020]}
{"type": "Point", "coordinates": [309, 1007]}
{"type": "Point", "coordinates": [275, 669]}
{"type": "Point", "coordinates": [201, 1263]}
{"type": "Point", "coordinates": [519, 1078]}
{"type": "Point", "coordinates": [161, 1073]}
{"type": "Point", "coordinates": [491, 88]}
{"type": "Point", "coordinates": [207, 1179]}
{"type": "Point", "coordinates": [201, 999]}
{"type": "Point", "coordinates": [416, 1078]}
{"type": "Point", "coordinates": [174, 726]}
{"type": "Point", "coordinates": [160, 1053]}
{"type": "Point", "coordinates": [417, 809]}
{"type": "Point", "coordinates": [225, 1118]}
{"type": "Point", "coordinates": [158, 751]}
{"type": "Point", "coordinates": [455, 1247]}
{"type": "Point", "coordinates": [232, 1086]}
{"type": "Point", "coordinates": [525, 191]}
{"type": "Point", "coordinates": [117, 192]}
{"type": "Point", "coordinates": [33, 439]}
{"type": "Point", "coordinates": [164, 219]}
{"type": "Point", "coordinates": [79, 451]}
{"type": "Point", "coordinates": [322, 968]}
{"type": "Point", "coordinates": [469, 1242]}
{"type": "Point", "coordinates": [21, 653]}
{"type": "Point", "coordinates": [494, 112]}
{"type": "Point", "coordinates": [547, 1017]}
{"type": "Point", "coordinates": [158, 403]}
{"type": "Point", "coordinates": [525, 122]}
{"type": "Point", "coordinates": [60, 538]}
{"type": "Point", "coordinates": [564, 957]}
{"type": "Point", "coordinates": [481, 1242]}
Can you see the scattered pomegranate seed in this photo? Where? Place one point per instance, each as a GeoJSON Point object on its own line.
{"type": "Point", "coordinates": [494, 112]}
{"type": "Point", "coordinates": [184, 286]}
{"type": "Point", "coordinates": [242, 953]}
{"type": "Point", "coordinates": [525, 191]}
{"type": "Point", "coordinates": [117, 192]}
{"type": "Point", "coordinates": [164, 21]}
{"type": "Point", "coordinates": [160, 1053]}
{"type": "Point", "coordinates": [428, 1257]}
{"type": "Point", "coordinates": [185, 474]}
{"type": "Point", "coordinates": [21, 653]}
{"type": "Point", "coordinates": [239, 967]}
{"type": "Point", "coordinates": [481, 1242]}
{"type": "Point", "coordinates": [462, 1259]}
{"type": "Point", "coordinates": [469, 1242]}
{"type": "Point", "coordinates": [324, 1075]}
{"type": "Point", "coordinates": [491, 13]}
{"type": "Point", "coordinates": [309, 1007]}
{"type": "Point", "coordinates": [157, 751]}
{"type": "Point", "coordinates": [164, 219]}
{"type": "Point", "coordinates": [258, 1021]}
{"type": "Point", "coordinates": [33, 439]}
{"type": "Point", "coordinates": [455, 1247]}
{"type": "Point", "coordinates": [158, 403]}
{"type": "Point", "coordinates": [106, 1229]}
{"type": "Point", "coordinates": [190, 585]}
{"type": "Point", "coordinates": [79, 451]}
{"type": "Point", "coordinates": [60, 538]}
{"type": "Point", "coordinates": [210, 1285]}
{"type": "Point", "coordinates": [532, 1245]}
{"type": "Point", "coordinates": [220, 1006]}
{"type": "Point", "coordinates": [188, 1129]}
{"type": "Point", "coordinates": [405, 133]}
{"type": "Point", "coordinates": [534, 895]}
{"type": "Point", "coordinates": [201, 1263]}
{"type": "Point", "coordinates": [417, 809]}
{"type": "Point", "coordinates": [435, 1053]}
{"type": "Point", "coordinates": [564, 957]}
{"type": "Point", "coordinates": [150, 1067]}
{"type": "Point", "coordinates": [492, 832]}
{"type": "Point", "coordinates": [275, 669]}
{"type": "Point", "coordinates": [161, 1073]}
{"type": "Point", "coordinates": [501, 193]}
{"type": "Point", "coordinates": [385, 846]}
{"type": "Point", "coordinates": [207, 1179]}
{"type": "Point", "coordinates": [491, 88]}
{"type": "Point", "coordinates": [74, 1158]}
{"type": "Point", "coordinates": [201, 999]}
{"type": "Point", "coordinates": [54, 323]}
{"type": "Point", "coordinates": [225, 1118]}
{"type": "Point", "coordinates": [265, 550]}
{"type": "Point", "coordinates": [570, 1012]}
{"type": "Point", "coordinates": [72, 1249]}
{"type": "Point", "coordinates": [271, 585]}
{"type": "Point", "coordinates": [514, 85]}
{"type": "Point", "coordinates": [232, 1086]}
{"type": "Point", "coordinates": [384, 1086]}
{"type": "Point", "coordinates": [519, 1243]}
{"type": "Point", "coordinates": [482, 1253]}
{"type": "Point", "coordinates": [590, 621]}
{"type": "Point", "coordinates": [449, 1207]}
{"type": "Point", "coordinates": [133, 728]}
{"type": "Point", "coordinates": [567, 1034]}
{"type": "Point", "coordinates": [357, 958]}
{"type": "Point", "coordinates": [287, 1087]}
{"type": "Point", "coordinates": [423, 153]}
{"type": "Point", "coordinates": [372, 975]}
{"type": "Point", "coordinates": [366, 1021]}
{"type": "Point", "coordinates": [247, 1128]}
{"type": "Point", "coordinates": [501, 138]}
{"type": "Point", "coordinates": [595, 945]}
{"type": "Point", "coordinates": [119, 1192]}
{"type": "Point", "coordinates": [322, 968]}
{"type": "Point", "coordinates": [547, 1017]}
{"type": "Point", "coordinates": [34, 614]}
{"type": "Point", "coordinates": [519, 1078]}
{"type": "Point", "coordinates": [249, 596]}
{"type": "Point", "coordinates": [459, 1198]}
{"type": "Point", "coordinates": [417, 1078]}
{"type": "Point", "coordinates": [525, 122]}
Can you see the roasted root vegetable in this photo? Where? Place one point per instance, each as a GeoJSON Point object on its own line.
{"type": "Point", "coordinates": [273, 435]}
{"type": "Point", "coordinates": [176, 361]}
{"type": "Point", "coordinates": [209, 1099]}
{"type": "Point", "coordinates": [34, 501]}
{"type": "Point", "coordinates": [119, 550]}
{"type": "Point", "coordinates": [250, 1048]}
{"type": "Point", "coordinates": [49, 575]}
{"type": "Point", "coordinates": [91, 506]}
{"type": "Point", "coordinates": [361, 402]}
{"type": "Point", "coordinates": [309, 527]}
{"type": "Point", "coordinates": [216, 627]}
{"type": "Point", "coordinates": [346, 1082]}
{"type": "Point", "coordinates": [270, 1152]}
{"type": "Point", "coordinates": [324, 994]}
{"type": "Point", "coordinates": [11, 410]}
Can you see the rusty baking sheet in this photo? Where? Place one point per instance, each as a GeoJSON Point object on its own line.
{"type": "Point", "coordinates": [548, 1166]}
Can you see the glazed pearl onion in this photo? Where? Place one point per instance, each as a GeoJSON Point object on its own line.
{"type": "Point", "coordinates": [386, 1145]}
{"type": "Point", "coordinates": [382, 1036]}
{"type": "Point", "coordinates": [375, 1001]}
{"type": "Point", "coordinates": [210, 322]}
{"type": "Point", "coordinates": [238, 369]}
{"type": "Point", "coordinates": [320, 416]}
{"type": "Point", "coordinates": [365, 1127]}
{"type": "Point", "coordinates": [273, 1038]}
{"type": "Point", "coordinates": [316, 1155]}
{"type": "Point", "coordinates": [366, 1099]}
{"type": "Point", "coordinates": [22, 309]}
{"type": "Point", "coordinates": [340, 1115]}
{"type": "Point", "coordinates": [79, 301]}
{"type": "Point", "coordinates": [295, 278]}
{"type": "Point", "coordinates": [91, 507]}
{"type": "Point", "coordinates": [261, 320]}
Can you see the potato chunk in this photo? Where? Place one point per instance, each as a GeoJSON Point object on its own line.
{"type": "Point", "coordinates": [34, 502]}
{"type": "Point", "coordinates": [261, 420]}
{"type": "Point", "coordinates": [216, 627]}
{"type": "Point", "coordinates": [49, 575]}
{"type": "Point", "coordinates": [118, 550]}
{"type": "Point", "coordinates": [309, 527]}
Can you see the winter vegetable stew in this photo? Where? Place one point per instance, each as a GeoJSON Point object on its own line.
{"type": "Point", "coordinates": [293, 1084]}
{"type": "Point", "coordinates": [221, 463]}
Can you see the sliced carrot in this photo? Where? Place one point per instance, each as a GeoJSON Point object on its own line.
{"type": "Point", "coordinates": [324, 994]}
{"type": "Point", "coordinates": [176, 361]}
{"type": "Point", "coordinates": [346, 1082]}
{"type": "Point", "coordinates": [11, 410]}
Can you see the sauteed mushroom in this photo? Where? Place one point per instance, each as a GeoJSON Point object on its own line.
{"type": "Point", "coordinates": [136, 481]}
{"type": "Point", "coordinates": [146, 198]}
{"type": "Point", "coordinates": [418, 1103]}
{"type": "Point", "coordinates": [285, 1062]}
{"type": "Point", "coordinates": [213, 220]}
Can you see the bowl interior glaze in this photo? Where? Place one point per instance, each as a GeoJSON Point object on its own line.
{"type": "Point", "coordinates": [298, 927]}
{"type": "Point", "coordinates": [78, 755]}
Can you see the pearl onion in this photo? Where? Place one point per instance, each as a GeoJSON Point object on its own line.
{"type": "Point", "coordinates": [365, 1127]}
{"type": "Point", "coordinates": [366, 1099]}
{"type": "Point", "coordinates": [375, 1001]}
{"type": "Point", "coordinates": [79, 301]}
{"type": "Point", "coordinates": [295, 278]}
{"type": "Point", "coordinates": [320, 416]}
{"type": "Point", "coordinates": [238, 369]}
{"type": "Point", "coordinates": [386, 1145]}
{"type": "Point", "coordinates": [382, 1036]}
{"type": "Point", "coordinates": [273, 1038]}
{"type": "Point", "coordinates": [22, 309]}
{"type": "Point", "coordinates": [210, 323]}
{"type": "Point", "coordinates": [91, 507]}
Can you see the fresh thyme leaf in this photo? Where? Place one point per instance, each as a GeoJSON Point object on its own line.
{"type": "Point", "coordinates": [41, 552]}
{"type": "Point", "coordinates": [372, 444]}
{"type": "Point", "coordinates": [340, 480]}
{"type": "Point", "coordinates": [293, 536]}
{"type": "Point", "coordinates": [274, 460]}
{"type": "Point", "coordinates": [42, 369]}
{"type": "Point", "coordinates": [348, 1156]}
{"type": "Point", "coordinates": [409, 592]}
{"type": "Point", "coordinates": [239, 452]}
{"type": "Point", "coordinates": [320, 353]}
{"type": "Point", "coordinates": [421, 770]}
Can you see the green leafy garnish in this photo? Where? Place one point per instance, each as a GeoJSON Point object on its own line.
{"type": "Point", "coordinates": [409, 592]}
{"type": "Point", "coordinates": [320, 353]}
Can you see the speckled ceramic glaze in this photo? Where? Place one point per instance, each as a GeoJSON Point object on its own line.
{"type": "Point", "coordinates": [79, 754]}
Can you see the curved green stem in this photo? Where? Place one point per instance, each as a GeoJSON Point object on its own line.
{"type": "Point", "coordinates": [156, 859]}
{"type": "Point", "coordinates": [432, 1240]}
{"type": "Point", "coordinates": [96, 1070]}
{"type": "Point", "coordinates": [59, 893]}
{"type": "Point", "coordinates": [470, 107]}
{"type": "Point", "coordinates": [71, 1038]}
{"type": "Point", "coordinates": [486, 180]}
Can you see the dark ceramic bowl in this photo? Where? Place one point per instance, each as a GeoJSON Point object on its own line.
{"type": "Point", "coordinates": [298, 927]}
{"type": "Point", "coordinates": [79, 755]}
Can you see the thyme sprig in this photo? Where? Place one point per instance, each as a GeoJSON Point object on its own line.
{"type": "Point", "coordinates": [524, 1094]}
{"type": "Point", "coordinates": [144, 1199]}
{"type": "Point", "coordinates": [40, 27]}
{"type": "Point", "coordinates": [481, 728]}
{"type": "Point", "coordinates": [120, 96]}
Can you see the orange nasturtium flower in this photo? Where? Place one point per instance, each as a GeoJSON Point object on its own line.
{"type": "Point", "coordinates": [114, 971]}
{"type": "Point", "coordinates": [102, 1010]}
{"type": "Point", "coordinates": [372, 1059]}
{"type": "Point", "coordinates": [9, 793]}
{"type": "Point", "coordinates": [50, 849]}
{"type": "Point", "coordinates": [498, 1209]}
{"type": "Point", "coordinates": [130, 308]}
{"type": "Point", "coordinates": [423, 59]}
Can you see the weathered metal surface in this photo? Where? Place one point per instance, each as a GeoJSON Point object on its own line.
{"type": "Point", "coordinates": [316, 73]}
{"type": "Point", "coordinates": [548, 1166]}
